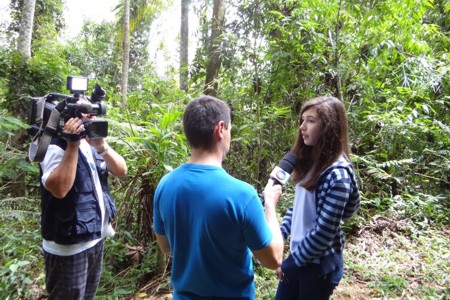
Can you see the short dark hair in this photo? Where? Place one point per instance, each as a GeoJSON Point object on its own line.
{"type": "Point", "coordinates": [200, 117]}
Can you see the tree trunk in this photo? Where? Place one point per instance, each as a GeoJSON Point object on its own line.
{"type": "Point", "coordinates": [184, 45]}
{"type": "Point", "coordinates": [337, 29]}
{"type": "Point", "coordinates": [26, 29]}
{"type": "Point", "coordinates": [125, 54]}
{"type": "Point", "coordinates": [212, 69]}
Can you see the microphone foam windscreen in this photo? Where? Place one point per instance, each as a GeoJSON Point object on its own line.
{"type": "Point", "coordinates": [288, 162]}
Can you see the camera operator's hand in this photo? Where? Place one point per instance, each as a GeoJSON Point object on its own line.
{"type": "Point", "coordinates": [73, 126]}
{"type": "Point", "coordinates": [115, 162]}
{"type": "Point", "coordinates": [61, 180]}
{"type": "Point", "coordinates": [99, 144]}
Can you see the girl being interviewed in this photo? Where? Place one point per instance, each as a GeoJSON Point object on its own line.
{"type": "Point", "coordinates": [326, 193]}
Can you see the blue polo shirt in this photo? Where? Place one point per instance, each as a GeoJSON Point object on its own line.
{"type": "Point", "coordinates": [212, 222]}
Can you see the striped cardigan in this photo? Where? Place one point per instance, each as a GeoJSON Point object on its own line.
{"type": "Point", "coordinates": [337, 199]}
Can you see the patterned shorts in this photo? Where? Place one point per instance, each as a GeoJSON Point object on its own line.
{"type": "Point", "coordinates": [76, 276]}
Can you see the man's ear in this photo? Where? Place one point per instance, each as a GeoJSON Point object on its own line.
{"type": "Point", "coordinates": [219, 130]}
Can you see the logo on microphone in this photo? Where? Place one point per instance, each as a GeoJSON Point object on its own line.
{"type": "Point", "coordinates": [281, 175]}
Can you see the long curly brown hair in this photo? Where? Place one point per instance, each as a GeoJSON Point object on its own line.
{"type": "Point", "coordinates": [334, 141]}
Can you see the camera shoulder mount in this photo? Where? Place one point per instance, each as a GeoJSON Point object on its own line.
{"type": "Point", "coordinates": [41, 140]}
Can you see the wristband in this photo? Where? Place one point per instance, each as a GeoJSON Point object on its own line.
{"type": "Point", "coordinates": [70, 137]}
{"type": "Point", "coordinates": [104, 151]}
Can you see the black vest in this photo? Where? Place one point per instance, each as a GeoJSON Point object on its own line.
{"type": "Point", "coordinates": [77, 218]}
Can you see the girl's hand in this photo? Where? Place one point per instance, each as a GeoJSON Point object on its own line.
{"type": "Point", "coordinates": [280, 274]}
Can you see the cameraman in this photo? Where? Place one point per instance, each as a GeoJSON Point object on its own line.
{"type": "Point", "coordinates": [77, 210]}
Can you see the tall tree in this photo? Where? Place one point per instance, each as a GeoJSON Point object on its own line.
{"type": "Point", "coordinates": [184, 45]}
{"type": "Point", "coordinates": [140, 16]}
{"type": "Point", "coordinates": [125, 54]}
{"type": "Point", "coordinates": [26, 29]}
{"type": "Point", "coordinates": [32, 32]}
{"type": "Point", "coordinates": [214, 59]}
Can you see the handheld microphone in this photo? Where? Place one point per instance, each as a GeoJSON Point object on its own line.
{"type": "Point", "coordinates": [281, 173]}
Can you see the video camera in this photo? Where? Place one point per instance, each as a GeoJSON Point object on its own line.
{"type": "Point", "coordinates": [48, 114]}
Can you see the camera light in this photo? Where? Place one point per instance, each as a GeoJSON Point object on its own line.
{"type": "Point", "coordinates": [77, 84]}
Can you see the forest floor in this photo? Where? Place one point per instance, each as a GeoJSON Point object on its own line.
{"type": "Point", "coordinates": [396, 259]}
{"type": "Point", "coordinates": [388, 258]}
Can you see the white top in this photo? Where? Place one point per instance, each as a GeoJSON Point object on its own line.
{"type": "Point", "coordinates": [304, 215]}
{"type": "Point", "coordinates": [52, 159]}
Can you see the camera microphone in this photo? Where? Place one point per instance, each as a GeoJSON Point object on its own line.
{"type": "Point", "coordinates": [98, 94]}
{"type": "Point", "coordinates": [281, 173]}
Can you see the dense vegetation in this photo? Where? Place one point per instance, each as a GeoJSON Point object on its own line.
{"type": "Point", "coordinates": [387, 60]}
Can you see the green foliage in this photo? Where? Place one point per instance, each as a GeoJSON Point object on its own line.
{"type": "Point", "coordinates": [398, 157]}
{"type": "Point", "coordinates": [16, 173]}
{"type": "Point", "coordinates": [266, 282]}
{"type": "Point", "coordinates": [48, 20]}
{"type": "Point", "coordinates": [423, 209]}
{"type": "Point", "coordinates": [118, 278]}
{"type": "Point", "coordinates": [97, 50]}
{"type": "Point", "coordinates": [252, 133]}
{"type": "Point", "coordinates": [93, 52]}
{"type": "Point", "coordinates": [26, 80]}
{"type": "Point", "coordinates": [48, 23]}
{"type": "Point", "coordinates": [23, 79]}
{"type": "Point", "coordinates": [21, 259]}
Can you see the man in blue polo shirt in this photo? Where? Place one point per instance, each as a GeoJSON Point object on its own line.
{"type": "Point", "coordinates": [208, 220]}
